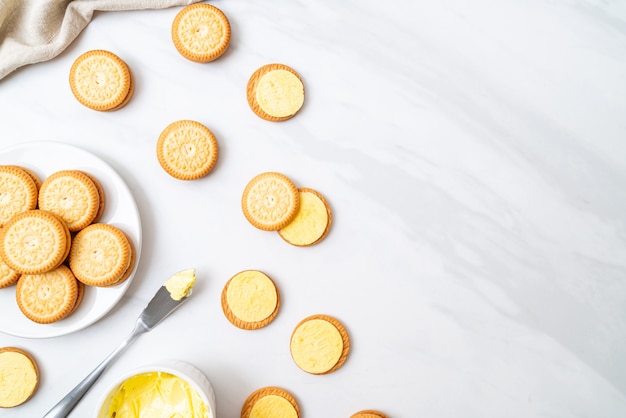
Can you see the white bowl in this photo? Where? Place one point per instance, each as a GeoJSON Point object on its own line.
{"type": "Point", "coordinates": [178, 368]}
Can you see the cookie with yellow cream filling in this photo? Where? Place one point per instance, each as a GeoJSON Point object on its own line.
{"type": "Point", "coordinates": [19, 376]}
{"type": "Point", "coordinates": [368, 413]}
{"type": "Point", "coordinates": [250, 300]}
{"type": "Point", "coordinates": [270, 201]}
{"type": "Point", "coordinates": [270, 402]}
{"type": "Point", "coordinates": [319, 344]}
{"type": "Point", "coordinates": [275, 92]}
{"type": "Point", "coordinates": [312, 222]}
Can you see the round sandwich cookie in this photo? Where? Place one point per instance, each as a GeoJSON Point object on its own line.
{"type": "Point", "coordinates": [312, 222]}
{"type": "Point", "coordinates": [34, 242]}
{"type": "Point", "coordinates": [201, 32]}
{"type": "Point", "coordinates": [79, 296]}
{"type": "Point", "coordinates": [100, 80]}
{"type": "Point", "coordinates": [187, 150]}
{"type": "Point", "coordinates": [48, 297]}
{"type": "Point", "coordinates": [275, 92]}
{"type": "Point", "coordinates": [19, 376]}
{"type": "Point", "coordinates": [319, 344]}
{"type": "Point", "coordinates": [100, 255]}
{"type": "Point", "coordinates": [8, 277]}
{"type": "Point", "coordinates": [73, 196]}
{"type": "Point", "coordinates": [131, 265]}
{"type": "Point", "coordinates": [368, 413]}
{"type": "Point", "coordinates": [270, 201]}
{"type": "Point", "coordinates": [17, 191]}
{"type": "Point", "coordinates": [31, 174]}
{"type": "Point", "coordinates": [270, 402]}
{"type": "Point", "coordinates": [250, 300]}
{"type": "Point", "coordinates": [131, 90]}
{"type": "Point", "coordinates": [101, 196]}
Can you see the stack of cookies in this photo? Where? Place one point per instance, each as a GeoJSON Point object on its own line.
{"type": "Point", "coordinates": [100, 80]}
{"type": "Point", "coordinates": [187, 150]}
{"type": "Point", "coordinates": [201, 32]}
{"type": "Point", "coordinates": [51, 243]}
{"type": "Point", "coordinates": [272, 202]}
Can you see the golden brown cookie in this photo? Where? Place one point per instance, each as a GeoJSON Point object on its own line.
{"type": "Point", "coordinates": [34, 242]}
{"type": "Point", "coordinates": [368, 413]}
{"type": "Point", "coordinates": [131, 90]}
{"type": "Point", "coordinates": [100, 80]}
{"type": "Point", "coordinates": [18, 192]}
{"type": "Point", "coordinates": [270, 201]}
{"type": "Point", "coordinates": [19, 376]}
{"type": "Point", "coordinates": [32, 175]}
{"type": "Point", "coordinates": [275, 92]}
{"type": "Point", "coordinates": [101, 196]}
{"type": "Point", "coordinates": [131, 265]}
{"type": "Point", "coordinates": [270, 402]}
{"type": "Point", "coordinates": [187, 150]}
{"type": "Point", "coordinates": [250, 300]}
{"type": "Point", "coordinates": [71, 195]}
{"type": "Point", "coordinates": [201, 32]}
{"type": "Point", "coordinates": [312, 222]}
{"type": "Point", "coordinates": [8, 277]}
{"type": "Point", "coordinates": [100, 255]}
{"type": "Point", "coordinates": [80, 293]}
{"type": "Point", "coordinates": [47, 297]}
{"type": "Point", "coordinates": [319, 344]}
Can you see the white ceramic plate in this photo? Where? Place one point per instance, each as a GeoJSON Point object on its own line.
{"type": "Point", "coordinates": [45, 158]}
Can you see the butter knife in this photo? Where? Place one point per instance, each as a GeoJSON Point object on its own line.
{"type": "Point", "coordinates": [162, 304]}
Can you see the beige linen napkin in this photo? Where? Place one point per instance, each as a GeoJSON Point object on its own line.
{"type": "Point", "coordinates": [33, 31]}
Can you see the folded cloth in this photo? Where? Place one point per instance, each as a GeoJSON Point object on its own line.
{"type": "Point", "coordinates": [33, 31]}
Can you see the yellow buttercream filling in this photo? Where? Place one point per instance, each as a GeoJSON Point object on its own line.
{"type": "Point", "coordinates": [316, 346]}
{"type": "Point", "coordinates": [181, 284]}
{"type": "Point", "coordinates": [280, 93]}
{"type": "Point", "coordinates": [251, 296]}
{"type": "Point", "coordinates": [273, 406]}
{"type": "Point", "coordinates": [155, 395]}
{"type": "Point", "coordinates": [310, 222]}
{"type": "Point", "coordinates": [18, 378]}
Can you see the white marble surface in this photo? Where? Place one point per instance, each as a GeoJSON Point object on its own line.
{"type": "Point", "coordinates": [474, 156]}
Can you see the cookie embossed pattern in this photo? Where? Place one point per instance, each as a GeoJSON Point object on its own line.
{"type": "Point", "coordinates": [100, 80]}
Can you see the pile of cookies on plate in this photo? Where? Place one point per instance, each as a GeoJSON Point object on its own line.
{"type": "Point", "coordinates": [52, 244]}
